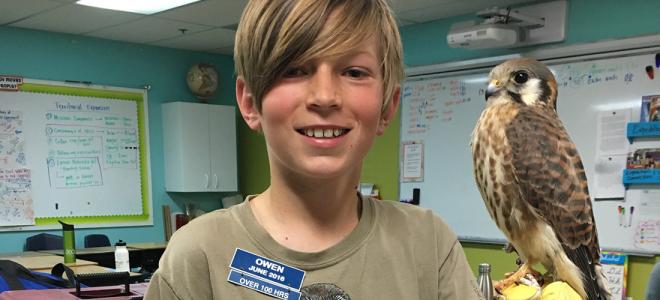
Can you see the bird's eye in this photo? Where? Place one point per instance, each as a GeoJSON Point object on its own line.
{"type": "Point", "coordinates": [521, 77]}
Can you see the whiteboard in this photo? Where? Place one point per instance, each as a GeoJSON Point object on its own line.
{"type": "Point", "coordinates": [77, 154]}
{"type": "Point", "coordinates": [439, 111]}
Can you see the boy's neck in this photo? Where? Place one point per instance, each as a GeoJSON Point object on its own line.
{"type": "Point", "coordinates": [308, 219]}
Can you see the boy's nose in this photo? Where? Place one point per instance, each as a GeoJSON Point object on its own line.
{"type": "Point", "coordinates": [324, 90]}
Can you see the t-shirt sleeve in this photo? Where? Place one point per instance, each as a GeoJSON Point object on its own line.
{"type": "Point", "coordinates": [455, 280]}
{"type": "Point", "coordinates": [183, 271]}
{"type": "Point", "coordinates": [159, 289]}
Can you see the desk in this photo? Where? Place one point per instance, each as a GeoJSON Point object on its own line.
{"type": "Point", "coordinates": [147, 246]}
{"type": "Point", "coordinates": [104, 256]}
{"type": "Point", "coordinates": [23, 254]}
{"type": "Point", "coordinates": [45, 262]}
{"type": "Point", "coordinates": [150, 254]}
{"type": "Point", "coordinates": [82, 251]}
{"type": "Point", "coordinates": [143, 255]}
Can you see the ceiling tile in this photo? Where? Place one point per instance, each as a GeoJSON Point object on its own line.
{"type": "Point", "coordinates": [203, 20]}
{"type": "Point", "coordinates": [201, 41]}
{"type": "Point", "coordinates": [209, 12]}
{"type": "Point", "coordinates": [76, 19]}
{"type": "Point", "coordinates": [146, 30]}
{"type": "Point", "coordinates": [21, 9]}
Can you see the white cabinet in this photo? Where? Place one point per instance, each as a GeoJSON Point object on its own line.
{"type": "Point", "coordinates": [199, 143]}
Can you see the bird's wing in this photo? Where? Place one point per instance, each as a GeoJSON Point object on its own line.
{"type": "Point", "coordinates": [552, 179]}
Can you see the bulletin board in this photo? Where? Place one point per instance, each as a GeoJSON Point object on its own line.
{"type": "Point", "coordinates": [72, 152]}
{"type": "Point", "coordinates": [598, 95]}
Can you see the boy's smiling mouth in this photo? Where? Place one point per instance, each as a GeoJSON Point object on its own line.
{"type": "Point", "coordinates": [323, 132]}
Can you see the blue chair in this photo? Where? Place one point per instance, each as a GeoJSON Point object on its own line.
{"type": "Point", "coordinates": [44, 241]}
{"type": "Point", "coordinates": [96, 240]}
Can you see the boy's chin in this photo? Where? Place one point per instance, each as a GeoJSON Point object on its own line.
{"type": "Point", "coordinates": [329, 169]}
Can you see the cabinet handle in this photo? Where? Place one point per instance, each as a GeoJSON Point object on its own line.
{"type": "Point", "coordinates": [215, 180]}
{"type": "Point", "coordinates": [207, 180]}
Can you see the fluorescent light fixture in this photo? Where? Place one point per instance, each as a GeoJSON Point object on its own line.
{"type": "Point", "coordinates": [145, 7]}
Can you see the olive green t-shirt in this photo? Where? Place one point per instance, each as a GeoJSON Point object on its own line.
{"type": "Point", "coordinates": [397, 251]}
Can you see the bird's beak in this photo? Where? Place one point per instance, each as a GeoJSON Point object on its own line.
{"type": "Point", "coordinates": [493, 87]}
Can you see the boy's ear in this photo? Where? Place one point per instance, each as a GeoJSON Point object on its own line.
{"type": "Point", "coordinates": [247, 106]}
{"type": "Point", "coordinates": [387, 116]}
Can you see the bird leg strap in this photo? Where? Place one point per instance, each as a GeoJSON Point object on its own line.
{"type": "Point", "coordinates": [512, 278]}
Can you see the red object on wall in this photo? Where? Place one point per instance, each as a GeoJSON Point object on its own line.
{"type": "Point", "coordinates": [181, 219]}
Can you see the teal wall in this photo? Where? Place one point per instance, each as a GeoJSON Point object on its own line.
{"type": "Point", "coordinates": [50, 56]}
{"type": "Point", "coordinates": [588, 21]}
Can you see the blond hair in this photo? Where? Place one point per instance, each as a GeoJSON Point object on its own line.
{"type": "Point", "coordinates": [274, 35]}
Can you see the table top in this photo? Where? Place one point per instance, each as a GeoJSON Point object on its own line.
{"type": "Point", "coordinates": [45, 262]}
{"type": "Point", "coordinates": [23, 254]}
{"type": "Point", "coordinates": [82, 251]}
{"type": "Point", "coordinates": [147, 246]}
{"type": "Point", "coordinates": [109, 249]}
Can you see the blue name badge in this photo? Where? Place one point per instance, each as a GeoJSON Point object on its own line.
{"type": "Point", "coordinates": [263, 286]}
{"type": "Point", "coordinates": [264, 275]}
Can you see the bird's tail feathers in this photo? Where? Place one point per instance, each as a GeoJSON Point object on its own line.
{"type": "Point", "coordinates": [567, 271]}
{"type": "Point", "coordinates": [593, 279]}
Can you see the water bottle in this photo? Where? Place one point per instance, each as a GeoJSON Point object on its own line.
{"type": "Point", "coordinates": [484, 283]}
{"type": "Point", "coordinates": [121, 257]}
{"type": "Point", "coordinates": [68, 243]}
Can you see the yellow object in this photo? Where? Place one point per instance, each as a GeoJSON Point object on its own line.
{"type": "Point", "coordinates": [559, 290]}
{"type": "Point", "coordinates": [521, 292]}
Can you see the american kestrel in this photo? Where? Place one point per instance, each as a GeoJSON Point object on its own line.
{"type": "Point", "coordinates": [532, 181]}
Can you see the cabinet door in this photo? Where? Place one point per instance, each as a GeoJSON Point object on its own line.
{"type": "Point", "coordinates": [222, 130]}
{"type": "Point", "coordinates": [186, 141]}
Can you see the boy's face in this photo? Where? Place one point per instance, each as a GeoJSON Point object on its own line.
{"type": "Point", "coordinates": [320, 119]}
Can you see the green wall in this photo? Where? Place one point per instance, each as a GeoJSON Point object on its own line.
{"type": "Point", "coordinates": [424, 44]}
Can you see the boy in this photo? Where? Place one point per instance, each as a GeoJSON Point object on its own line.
{"type": "Point", "coordinates": [320, 79]}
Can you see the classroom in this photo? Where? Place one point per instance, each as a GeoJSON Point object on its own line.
{"type": "Point", "coordinates": [157, 71]}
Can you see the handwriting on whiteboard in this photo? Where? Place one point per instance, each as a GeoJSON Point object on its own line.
{"type": "Point", "coordinates": [15, 197]}
{"type": "Point", "coordinates": [12, 142]}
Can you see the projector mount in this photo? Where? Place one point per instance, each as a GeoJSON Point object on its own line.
{"type": "Point", "coordinates": [507, 16]}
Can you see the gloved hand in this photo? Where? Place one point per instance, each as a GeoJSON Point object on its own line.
{"type": "Point", "coordinates": [530, 290]}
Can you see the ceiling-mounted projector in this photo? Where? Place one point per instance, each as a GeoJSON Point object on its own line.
{"type": "Point", "coordinates": [484, 36]}
{"type": "Point", "coordinates": [509, 28]}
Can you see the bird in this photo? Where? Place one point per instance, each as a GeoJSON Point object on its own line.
{"type": "Point", "coordinates": [531, 178]}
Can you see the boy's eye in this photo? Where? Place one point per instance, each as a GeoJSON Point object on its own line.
{"type": "Point", "coordinates": [294, 72]}
{"type": "Point", "coordinates": [355, 73]}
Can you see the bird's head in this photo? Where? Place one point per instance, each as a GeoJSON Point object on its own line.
{"type": "Point", "coordinates": [525, 81]}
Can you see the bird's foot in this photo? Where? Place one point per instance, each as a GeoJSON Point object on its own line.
{"type": "Point", "coordinates": [511, 278]}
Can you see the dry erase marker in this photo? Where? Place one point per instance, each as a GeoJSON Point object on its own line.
{"type": "Point", "coordinates": [620, 213]}
{"type": "Point", "coordinates": [650, 72]}
{"type": "Point", "coordinates": [623, 215]}
{"type": "Point", "coordinates": [632, 209]}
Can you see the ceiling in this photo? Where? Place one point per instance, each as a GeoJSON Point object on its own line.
{"type": "Point", "coordinates": [206, 26]}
